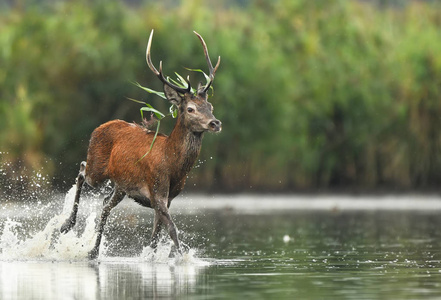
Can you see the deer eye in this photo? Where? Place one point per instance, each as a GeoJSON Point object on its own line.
{"type": "Point", "coordinates": [190, 109]}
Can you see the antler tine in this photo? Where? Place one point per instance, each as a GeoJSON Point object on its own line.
{"type": "Point", "coordinates": [148, 57]}
{"type": "Point", "coordinates": [159, 73]}
{"type": "Point", "coordinates": [210, 66]}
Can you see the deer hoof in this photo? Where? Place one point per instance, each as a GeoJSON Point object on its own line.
{"type": "Point", "coordinates": [185, 247]}
{"type": "Point", "coordinates": [93, 254]}
{"type": "Point", "coordinates": [174, 250]}
{"type": "Point", "coordinates": [83, 167]}
{"type": "Point", "coordinates": [67, 226]}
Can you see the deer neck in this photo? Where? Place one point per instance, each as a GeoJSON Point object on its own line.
{"type": "Point", "coordinates": [184, 146]}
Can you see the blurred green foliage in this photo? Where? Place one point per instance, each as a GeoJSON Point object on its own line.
{"type": "Point", "coordinates": [312, 94]}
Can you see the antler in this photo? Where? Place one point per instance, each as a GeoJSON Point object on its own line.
{"type": "Point", "coordinates": [159, 74]}
{"type": "Point", "coordinates": [210, 66]}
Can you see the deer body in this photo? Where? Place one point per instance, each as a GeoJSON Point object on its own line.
{"type": "Point", "coordinates": [119, 161]}
{"type": "Point", "coordinates": [116, 151]}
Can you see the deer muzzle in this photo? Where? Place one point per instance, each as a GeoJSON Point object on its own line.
{"type": "Point", "coordinates": [215, 125]}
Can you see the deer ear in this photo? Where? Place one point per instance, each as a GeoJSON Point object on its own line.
{"type": "Point", "coordinates": [201, 91]}
{"type": "Point", "coordinates": [172, 95]}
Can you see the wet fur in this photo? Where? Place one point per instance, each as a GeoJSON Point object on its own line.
{"type": "Point", "coordinates": [116, 153]}
{"type": "Point", "coordinates": [110, 158]}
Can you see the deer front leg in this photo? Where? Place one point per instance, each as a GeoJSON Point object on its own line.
{"type": "Point", "coordinates": [157, 226]}
{"type": "Point", "coordinates": [116, 198]}
{"type": "Point", "coordinates": [161, 213]}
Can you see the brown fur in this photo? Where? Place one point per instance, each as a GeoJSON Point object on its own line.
{"type": "Point", "coordinates": [117, 148]}
{"type": "Point", "coordinates": [116, 151]}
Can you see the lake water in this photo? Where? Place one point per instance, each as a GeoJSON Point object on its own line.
{"type": "Point", "coordinates": [251, 247]}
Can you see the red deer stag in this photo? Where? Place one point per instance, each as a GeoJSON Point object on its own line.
{"type": "Point", "coordinates": [116, 147]}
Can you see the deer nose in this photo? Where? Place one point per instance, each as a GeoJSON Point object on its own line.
{"type": "Point", "coordinates": [215, 125]}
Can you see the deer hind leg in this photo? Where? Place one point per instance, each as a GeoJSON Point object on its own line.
{"type": "Point", "coordinates": [116, 198]}
{"type": "Point", "coordinates": [70, 222]}
{"type": "Point", "coordinates": [108, 197]}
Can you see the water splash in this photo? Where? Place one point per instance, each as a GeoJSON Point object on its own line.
{"type": "Point", "coordinates": [19, 181]}
{"type": "Point", "coordinates": [161, 255]}
{"type": "Point", "coordinates": [48, 244]}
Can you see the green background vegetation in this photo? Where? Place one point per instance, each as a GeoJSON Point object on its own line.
{"type": "Point", "coordinates": [312, 94]}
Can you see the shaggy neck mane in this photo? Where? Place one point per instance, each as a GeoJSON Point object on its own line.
{"type": "Point", "coordinates": [184, 147]}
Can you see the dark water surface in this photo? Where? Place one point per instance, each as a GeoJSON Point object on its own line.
{"type": "Point", "coordinates": [265, 253]}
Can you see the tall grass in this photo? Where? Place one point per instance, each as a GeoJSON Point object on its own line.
{"type": "Point", "coordinates": [312, 94]}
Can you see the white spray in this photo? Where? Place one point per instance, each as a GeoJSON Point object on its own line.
{"type": "Point", "coordinates": [49, 244]}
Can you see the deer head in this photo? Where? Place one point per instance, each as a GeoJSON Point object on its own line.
{"type": "Point", "coordinates": [194, 111]}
